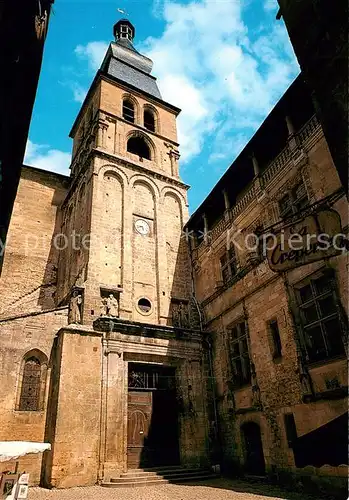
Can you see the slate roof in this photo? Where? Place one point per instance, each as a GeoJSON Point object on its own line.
{"type": "Point", "coordinates": [123, 62]}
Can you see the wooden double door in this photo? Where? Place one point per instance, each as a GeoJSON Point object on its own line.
{"type": "Point", "coordinates": [152, 426]}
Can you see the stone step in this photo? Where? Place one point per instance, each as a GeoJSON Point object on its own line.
{"type": "Point", "coordinates": [133, 484]}
{"type": "Point", "coordinates": [141, 481]}
{"type": "Point", "coordinates": [152, 477]}
{"type": "Point", "coordinates": [157, 472]}
{"type": "Point", "coordinates": [157, 469]}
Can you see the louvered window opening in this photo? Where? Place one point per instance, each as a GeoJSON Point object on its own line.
{"type": "Point", "coordinates": [128, 111]}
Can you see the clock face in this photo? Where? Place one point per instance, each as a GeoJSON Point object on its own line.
{"type": "Point", "coordinates": [142, 227]}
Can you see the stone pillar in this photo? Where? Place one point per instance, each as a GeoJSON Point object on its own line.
{"type": "Point", "coordinates": [226, 204]}
{"type": "Point", "coordinates": [257, 179]}
{"type": "Point", "coordinates": [290, 126]}
{"type": "Point", "coordinates": [102, 127]}
{"type": "Point", "coordinates": [126, 304]}
{"type": "Point", "coordinates": [226, 200]}
{"type": "Point", "coordinates": [255, 165]}
{"type": "Point", "coordinates": [114, 408]}
{"type": "Point", "coordinates": [174, 157]}
{"type": "Point", "coordinates": [292, 137]}
{"type": "Point", "coordinates": [205, 228]}
{"type": "Point", "coordinates": [74, 409]}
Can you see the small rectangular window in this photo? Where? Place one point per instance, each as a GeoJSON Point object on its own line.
{"type": "Point", "coordinates": [275, 339]}
{"type": "Point", "coordinates": [291, 429]}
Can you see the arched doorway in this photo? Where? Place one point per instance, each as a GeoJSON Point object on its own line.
{"type": "Point", "coordinates": [254, 457]}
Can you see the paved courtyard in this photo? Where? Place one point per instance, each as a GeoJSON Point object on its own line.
{"type": "Point", "coordinates": [217, 489]}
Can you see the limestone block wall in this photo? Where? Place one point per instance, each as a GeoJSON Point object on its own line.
{"type": "Point", "coordinates": [118, 130]}
{"type": "Point", "coordinates": [153, 266]}
{"type": "Point", "coordinates": [260, 295]}
{"type": "Point", "coordinates": [32, 333]}
{"type": "Point", "coordinates": [28, 278]}
{"type": "Point", "coordinates": [73, 424]}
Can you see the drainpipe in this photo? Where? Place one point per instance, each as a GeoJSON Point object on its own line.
{"type": "Point", "coordinates": [207, 342]}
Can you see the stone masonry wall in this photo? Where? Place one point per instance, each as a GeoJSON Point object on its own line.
{"type": "Point", "coordinates": [28, 319]}
{"type": "Point", "coordinates": [259, 296]}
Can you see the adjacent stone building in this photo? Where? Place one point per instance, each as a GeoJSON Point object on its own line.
{"type": "Point", "coordinates": [132, 337]}
{"type": "Point", "coordinates": [279, 338]}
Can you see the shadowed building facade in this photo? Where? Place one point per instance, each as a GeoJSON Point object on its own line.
{"type": "Point", "coordinates": [279, 338]}
{"type": "Point", "coordinates": [23, 32]}
{"type": "Point", "coordinates": [128, 342]}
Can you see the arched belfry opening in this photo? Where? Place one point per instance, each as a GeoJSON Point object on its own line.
{"type": "Point", "coordinates": [137, 145]}
{"type": "Point", "coordinates": [149, 119]}
{"type": "Point", "coordinates": [128, 110]}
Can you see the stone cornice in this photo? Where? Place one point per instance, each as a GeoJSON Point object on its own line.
{"type": "Point", "coordinates": [110, 325]}
{"type": "Point", "coordinates": [138, 168]}
{"type": "Point", "coordinates": [138, 127]}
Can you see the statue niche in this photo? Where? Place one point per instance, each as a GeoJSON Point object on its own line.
{"type": "Point", "coordinates": [110, 305]}
{"type": "Point", "coordinates": [75, 307]}
{"type": "Point", "coordinates": [180, 314]}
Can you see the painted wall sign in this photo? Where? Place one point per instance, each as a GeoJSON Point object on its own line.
{"type": "Point", "coordinates": [310, 239]}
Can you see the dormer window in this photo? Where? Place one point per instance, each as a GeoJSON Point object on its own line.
{"type": "Point", "coordinates": [149, 120]}
{"type": "Point", "coordinates": [128, 110]}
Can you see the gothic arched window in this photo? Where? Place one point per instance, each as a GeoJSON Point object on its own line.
{"type": "Point", "coordinates": [139, 147]}
{"type": "Point", "coordinates": [149, 119]}
{"type": "Point", "coordinates": [128, 110]}
{"type": "Point", "coordinates": [32, 382]}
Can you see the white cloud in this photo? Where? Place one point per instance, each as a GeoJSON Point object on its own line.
{"type": "Point", "coordinates": [219, 73]}
{"type": "Point", "coordinates": [271, 5]}
{"type": "Point", "coordinates": [222, 73]}
{"type": "Point", "coordinates": [41, 156]}
{"type": "Point", "coordinates": [93, 53]}
{"type": "Point", "coordinates": [79, 92]}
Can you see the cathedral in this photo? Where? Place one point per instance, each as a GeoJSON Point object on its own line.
{"type": "Point", "coordinates": [133, 336]}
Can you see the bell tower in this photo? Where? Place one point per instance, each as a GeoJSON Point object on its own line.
{"type": "Point", "coordinates": [127, 203]}
{"type": "Point", "coordinates": [124, 270]}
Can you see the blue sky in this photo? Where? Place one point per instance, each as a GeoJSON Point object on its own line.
{"type": "Point", "coordinates": [225, 63]}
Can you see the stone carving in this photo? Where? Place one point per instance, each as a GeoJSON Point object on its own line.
{"type": "Point", "coordinates": [112, 306]}
{"type": "Point", "coordinates": [175, 316]}
{"type": "Point", "coordinates": [183, 315]}
{"type": "Point", "coordinates": [180, 315]}
{"type": "Point", "coordinates": [75, 308]}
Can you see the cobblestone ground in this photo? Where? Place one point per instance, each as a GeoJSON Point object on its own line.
{"type": "Point", "coordinates": [217, 489]}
